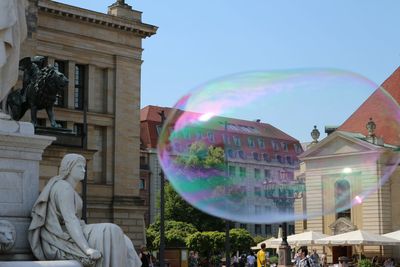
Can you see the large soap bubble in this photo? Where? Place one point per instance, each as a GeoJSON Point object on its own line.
{"type": "Point", "coordinates": [237, 147]}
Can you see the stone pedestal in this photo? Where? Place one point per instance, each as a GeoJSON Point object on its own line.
{"type": "Point", "coordinates": [284, 256]}
{"type": "Point", "coordinates": [20, 153]}
{"type": "Point", "coordinates": [40, 264]}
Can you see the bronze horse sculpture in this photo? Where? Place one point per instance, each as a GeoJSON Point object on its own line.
{"type": "Point", "coordinates": [41, 85]}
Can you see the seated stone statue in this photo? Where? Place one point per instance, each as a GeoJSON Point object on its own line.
{"type": "Point", "coordinates": [57, 233]}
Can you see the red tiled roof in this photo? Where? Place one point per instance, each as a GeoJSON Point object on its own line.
{"type": "Point", "coordinates": [149, 119]}
{"type": "Point", "coordinates": [383, 107]}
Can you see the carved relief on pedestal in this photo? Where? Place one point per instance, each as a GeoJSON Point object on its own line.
{"type": "Point", "coordinates": [7, 235]}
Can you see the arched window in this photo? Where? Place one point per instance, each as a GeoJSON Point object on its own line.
{"type": "Point", "coordinates": [342, 199]}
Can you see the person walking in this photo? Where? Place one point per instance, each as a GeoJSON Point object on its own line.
{"type": "Point", "coordinates": [261, 259]}
{"type": "Point", "coordinates": [145, 257]}
{"type": "Point", "coordinates": [251, 259]}
{"type": "Point", "coordinates": [315, 258]}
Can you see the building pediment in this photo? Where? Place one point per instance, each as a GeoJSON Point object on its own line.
{"type": "Point", "coordinates": [342, 225]}
{"type": "Point", "coordinates": [340, 144]}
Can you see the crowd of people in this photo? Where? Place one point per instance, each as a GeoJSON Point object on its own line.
{"type": "Point", "coordinates": [302, 258]}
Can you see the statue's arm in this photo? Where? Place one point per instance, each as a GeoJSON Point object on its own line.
{"type": "Point", "coordinates": [72, 223]}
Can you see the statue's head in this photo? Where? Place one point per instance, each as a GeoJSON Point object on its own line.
{"type": "Point", "coordinates": [57, 81]}
{"type": "Point", "coordinates": [7, 235]}
{"type": "Point", "coordinates": [69, 162]}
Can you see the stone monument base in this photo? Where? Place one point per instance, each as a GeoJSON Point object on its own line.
{"type": "Point", "coordinates": [20, 153]}
{"type": "Point", "coordinates": [40, 264]}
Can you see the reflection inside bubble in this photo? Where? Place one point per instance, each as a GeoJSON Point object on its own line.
{"type": "Point", "coordinates": [225, 162]}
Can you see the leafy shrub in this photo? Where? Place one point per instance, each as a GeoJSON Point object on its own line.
{"type": "Point", "coordinates": [365, 263]}
{"type": "Point", "coordinates": [273, 259]}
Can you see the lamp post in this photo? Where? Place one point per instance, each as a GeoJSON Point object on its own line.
{"type": "Point", "coordinates": [284, 194]}
{"type": "Point", "coordinates": [162, 219]}
{"type": "Point", "coordinates": [227, 223]}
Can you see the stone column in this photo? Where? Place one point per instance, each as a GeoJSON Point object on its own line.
{"type": "Point", "coordinates": [71, 84]}
{"type": "Point", "coordinates": [20, 153]}
{"type": "Point", "coordinates": [128, 208]}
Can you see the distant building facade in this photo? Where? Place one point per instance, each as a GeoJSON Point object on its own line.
{"type": "Point", "coordinates": [256, 152]}
{"type": "Point", "coordinates": [101, 54]}
{"type": "Point", "coordinates": [353, 158]}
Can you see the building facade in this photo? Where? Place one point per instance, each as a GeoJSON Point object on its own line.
{"type": "Point", "coordinates": [256, 153]}
{"type": "Point", "coordinates": [101, 54]}
{"type": "Point", "coordinates": [355, 172]}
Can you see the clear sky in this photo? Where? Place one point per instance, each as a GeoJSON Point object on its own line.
{"type": "Point", "coordinates": [201, 40]}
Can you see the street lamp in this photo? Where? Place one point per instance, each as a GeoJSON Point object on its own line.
{"type": "Point", "coordinates": [284, 194]}
{"type": "Point", "coordinates": [162, 219]}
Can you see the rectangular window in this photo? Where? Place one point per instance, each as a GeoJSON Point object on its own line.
{"type": "Point", "coordinates": [285, 146]}
{"type": "Point", "coordinates": [261, 143]}
{"type": "Point", "coordinates": [210, 136]}
{"type": "Point", "coordinates": [267, 174]}
{"type": "Point", "coordinates": [250, 142]}
{"type": "Point", "coordinates": [186, 134]}
{"type": "Point", "coordinates": [257, 192]}
{"type": "Point", "coordinates": [198, 135]}
{"type": "Point", "coordinates": [236, 140]}
{"type": "Point", "coordinates": [268, 230]}
{"type": "Point", "coordinates": [60, 66]}
{"type": "Point", "coordinates": [298, 149]}
{"type": "Point", "coordinates": [243, 226]}
{"type": "Point", "coordinates": [257, 173]}
{"type": "Point", "coordinates": [291, 229]}
{"type": "Point", "coordinates": [275, 145]}
{"type": "Point", "coordinates": [78, 129]}
{"type": "Point", "coordinates": [79, 86]}
{"type": "Point", "coordinates": [232, 171]}
{"type": "Point", "coordinates": [226, 139]}
{"type": "Point", "coordinates": [142, 184]}
{"type": "Point", "coordinates": [158, 129]}
{"type": "Point", "coordinates": [243, 190]}
{"type": "Point", "coordinates": [257, 229]}
{"type": "Point", "coordinates": [242, 171]}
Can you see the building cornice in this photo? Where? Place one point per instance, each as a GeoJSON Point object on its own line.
{"type": "Point", "coordinates": [129, 25]}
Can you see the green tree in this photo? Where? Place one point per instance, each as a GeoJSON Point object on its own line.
{"type": "Point", "coordinates": [201, 156]}
{"type": "Point", "coordinates": [175, 234]}
{"type": "Point", "coordinates": [240, 240]}
{"type": "Point", "coordinates": [177, 209]}
{"type": "Point", "coordinates": [206, 243]}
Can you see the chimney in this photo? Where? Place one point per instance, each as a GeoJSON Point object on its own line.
{"type": "Point", "coordinates": [123, 10]}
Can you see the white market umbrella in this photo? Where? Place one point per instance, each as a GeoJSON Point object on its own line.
{"type": "Point", "coordinates": [302, 239]}
{"type": "Point", "coordinates": [268, 243]}
{"type": "Point", "coordinates": [358, 237]}
{"type": "Point", "coordinates": [394, 235]}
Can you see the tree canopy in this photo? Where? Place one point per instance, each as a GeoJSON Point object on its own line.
{"type": "Point", "coordinates": [175, 234]}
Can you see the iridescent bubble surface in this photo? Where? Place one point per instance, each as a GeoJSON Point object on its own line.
{"type": "Point", "coordinates": [239, 147]}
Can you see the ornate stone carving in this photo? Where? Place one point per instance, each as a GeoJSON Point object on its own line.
{"type": "Point", "coordinates": [342, 225]}
{"type": "Point", "coordinates": [8, 235]}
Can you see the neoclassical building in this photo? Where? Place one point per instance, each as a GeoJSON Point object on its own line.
{"type": "Point", "coordinates": [342, 170]}
{"type": "Point", "coordinates": [101, 54]}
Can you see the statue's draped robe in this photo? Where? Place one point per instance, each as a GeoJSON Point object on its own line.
{"type": "Point", "coordinates": [13, 31]}
{"type": "Point", "coordinates": [49, 237]}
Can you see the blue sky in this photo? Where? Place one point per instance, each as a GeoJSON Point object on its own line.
{"type": "Point", "coordinates": [198, 41]}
